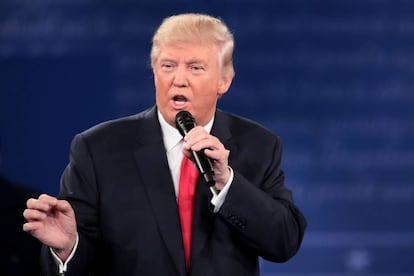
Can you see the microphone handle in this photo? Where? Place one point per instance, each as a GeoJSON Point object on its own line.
{"type": "Point", "coordinates": [202, 163]}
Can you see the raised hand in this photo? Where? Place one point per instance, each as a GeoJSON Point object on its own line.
{"type": "Point", "coordinates": [52, 222]}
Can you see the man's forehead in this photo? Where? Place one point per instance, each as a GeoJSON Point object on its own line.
{"type": "Point", "coordinates": [188, 52]}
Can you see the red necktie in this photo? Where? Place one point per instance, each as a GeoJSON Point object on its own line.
{"type": "Point", "coordinates": [186, 191]}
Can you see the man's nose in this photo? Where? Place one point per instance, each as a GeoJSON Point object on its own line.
{"type": "Point", "coordinates": [180, 77]}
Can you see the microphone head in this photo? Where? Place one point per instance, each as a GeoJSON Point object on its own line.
{"type": "Point", "coordinates": [184, 122]}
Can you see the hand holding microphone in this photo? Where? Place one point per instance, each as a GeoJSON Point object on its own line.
{"type": "Point", "coordinates": [185, 122]}
{"type": "Point", "coordinates": [208, 152]}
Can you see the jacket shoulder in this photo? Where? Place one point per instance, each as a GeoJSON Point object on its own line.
{"type": "Point", "coordinates": [243, 127]}
{"type": "Point", "coordinates": [121, 126]}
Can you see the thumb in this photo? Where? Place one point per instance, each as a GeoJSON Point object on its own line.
{"type": "Point", "coordinates": [64, 207]}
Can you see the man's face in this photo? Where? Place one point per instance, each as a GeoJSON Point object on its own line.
{"type": "Point", "coordinates": [188, 77]}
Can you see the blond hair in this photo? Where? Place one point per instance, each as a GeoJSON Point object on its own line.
{"type": "Point", "coordinates": [196, 28]}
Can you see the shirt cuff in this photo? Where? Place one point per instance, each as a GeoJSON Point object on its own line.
{"type": "Point", "coordinates": [63, 266]}
{"type": "Point", "coordinates": [220, 196]}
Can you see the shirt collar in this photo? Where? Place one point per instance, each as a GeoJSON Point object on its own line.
{"type": "Point", "coordinates": [171, 136]}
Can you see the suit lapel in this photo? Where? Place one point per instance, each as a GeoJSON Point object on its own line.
{"type": "Point", "coordinates": [221, 129]}
{"type": "Point", "coordinates": [204, 217]}
{"type": "Point", "coordinates": [203, 220]}
{"type": "Point", "coordinates": [156, 177]}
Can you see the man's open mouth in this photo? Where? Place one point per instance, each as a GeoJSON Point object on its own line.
{"type": "Point", "coordinates": [179, 100]}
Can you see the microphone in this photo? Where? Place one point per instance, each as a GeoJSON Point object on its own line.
{"type": "Point", "coordinates": [184, 122]}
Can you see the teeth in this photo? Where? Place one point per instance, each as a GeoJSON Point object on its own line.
{"type": "Point", "coordinates": [179, 102]}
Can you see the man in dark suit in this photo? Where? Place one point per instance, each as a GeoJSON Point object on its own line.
{"type": "Point", "coordinates": [117, 212]}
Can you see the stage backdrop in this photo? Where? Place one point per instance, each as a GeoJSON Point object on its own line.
{"type": "Point", "coordinates": [333, 78]}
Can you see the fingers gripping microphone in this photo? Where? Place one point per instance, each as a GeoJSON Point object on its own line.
{"type": "Point", "coordinates": [185, 122]}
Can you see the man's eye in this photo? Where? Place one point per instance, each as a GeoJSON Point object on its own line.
{"type": "Point", "coordinates": [167, 66]}
{"type": "Point", "coordinates": [197, 68]}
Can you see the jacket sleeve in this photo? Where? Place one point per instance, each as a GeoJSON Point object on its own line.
{"type": "Point", "coordinates": [78, 186]}
{"type": "Point", "coordinates": [260, 209]}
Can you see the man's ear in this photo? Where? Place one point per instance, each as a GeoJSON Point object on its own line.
{"type": "Point", "coordinates": [224, 85]}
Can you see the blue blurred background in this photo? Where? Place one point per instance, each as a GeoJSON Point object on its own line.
{"type": "Point", "coordinates": [333, 78]}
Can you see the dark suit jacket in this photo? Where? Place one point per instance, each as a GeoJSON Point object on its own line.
{"type": "Point", "coordinates": [119, 184]}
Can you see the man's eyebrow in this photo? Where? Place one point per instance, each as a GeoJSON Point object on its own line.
{"type": "Point", "coordinates": [196, 60]}
{"type": "Point", "coordinates": [188, 62]}
{"type": "Point", "coordinates": [167, 59]}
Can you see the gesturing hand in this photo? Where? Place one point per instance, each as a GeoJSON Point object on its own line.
{"type": "Point", "coordinates": [52, 222]}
